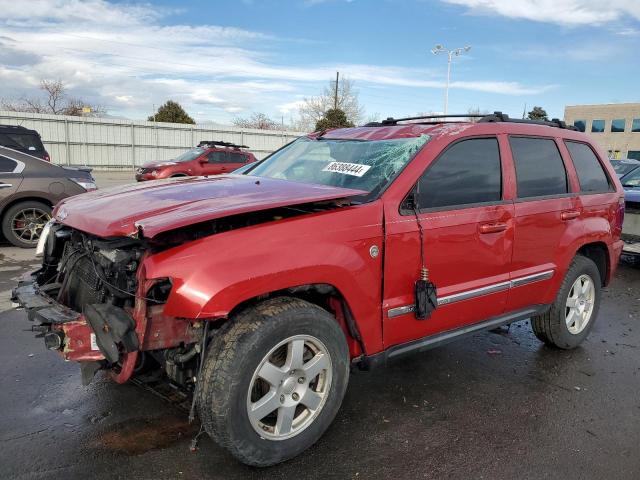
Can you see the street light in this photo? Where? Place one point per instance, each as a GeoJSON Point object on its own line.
{"type": "Point", "coordinates": [437, 50]}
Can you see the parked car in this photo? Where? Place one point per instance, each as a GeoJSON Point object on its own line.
{"type": "Point", "coordinates": [625, 166]}
{"type": "Point", "coordinates": [631, 185]}
{"type": "Point", "coordinates": [348, 247]}
{"type": "Point", "coordinates": [29, 188]}
{"type": "Point", "coordinates": [208, 158]}
{"type": "Point", "coordinates": [23, 140]}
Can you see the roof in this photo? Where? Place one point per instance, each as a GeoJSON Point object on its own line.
{"type": "Point", "coordinates": [17, 129]}
{"type": "Point", "coordinates": [435, 125]}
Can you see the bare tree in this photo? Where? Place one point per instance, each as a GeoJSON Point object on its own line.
{"type": "Point", "coordinates": [475, 111]}
{"type": "Point", "coordinates": [314, 108]}
{"type": "Point", "coordinates": [257, 120]}
{"type": "Point", "coordinates": [55, 102]}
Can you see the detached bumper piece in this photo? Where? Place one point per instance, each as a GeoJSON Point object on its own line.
{"type": "Point", "coordinates": [94, 336]}
{"type": "Point", "coordinates": [112, 326]}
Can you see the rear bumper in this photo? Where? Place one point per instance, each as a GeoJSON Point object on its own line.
{"type": "Point", "coordinates": [615, 250]}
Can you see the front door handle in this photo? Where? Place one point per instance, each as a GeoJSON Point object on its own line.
{"type": "Point", "coordinates": [569, 214]}
{"type": "Point", "coordinates": [5, 185]}
{"type": "Point", "coordinates": [493, 227]}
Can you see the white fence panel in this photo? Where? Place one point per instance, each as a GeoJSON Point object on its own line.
{"type": "Point", "coordinates": [104, 143]}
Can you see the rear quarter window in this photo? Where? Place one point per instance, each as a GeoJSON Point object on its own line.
{"type": "Point", "coordinates": [7, 165]}
{"type": "Point", "coordinates": [591, 175]}
{"type": "Point", "coordinates": [539, 167]}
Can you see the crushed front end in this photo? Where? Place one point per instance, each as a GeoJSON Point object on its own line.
{"type": "Point", "coordinates": [91, 303]}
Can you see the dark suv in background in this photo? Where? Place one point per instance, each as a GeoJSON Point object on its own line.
{"type": "Point", "coordinates": [210, 157]}
{"type": "Point", "coordinates": [29, 188]}
{"type": "Point", "coordinates": [23, 140]}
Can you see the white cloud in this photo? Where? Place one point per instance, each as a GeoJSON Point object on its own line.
{"type": "Point", "coordinates": [290, 107]}
{"type": "Point", "coordinates": [129, 57]}
{"type": "Point", "coordinates": [562, 12]}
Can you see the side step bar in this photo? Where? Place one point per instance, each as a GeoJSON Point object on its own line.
{"type": "Point", "coordinates": [433, 341]}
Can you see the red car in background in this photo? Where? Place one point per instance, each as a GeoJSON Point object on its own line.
{"type": "Point", "coordinates": [208, 158]}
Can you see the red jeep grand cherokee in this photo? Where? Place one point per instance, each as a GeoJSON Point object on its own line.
{"type": "Point", "coordinates": [350, 246]}
{"type": "Point", "coordinates": [208, 158]}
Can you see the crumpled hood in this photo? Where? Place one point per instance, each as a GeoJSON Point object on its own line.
{"type": "Point", "coordinates": [154, 207]}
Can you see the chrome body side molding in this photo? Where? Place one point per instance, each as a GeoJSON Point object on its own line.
{"type": "Point", "coordinates": [477, 292]}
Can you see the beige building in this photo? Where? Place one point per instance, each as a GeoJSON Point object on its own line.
{"type": "Point", "coordinates": [615, 126]}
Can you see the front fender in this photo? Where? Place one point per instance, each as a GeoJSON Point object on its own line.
{"type": "Point", "coordinates": [213, 275]}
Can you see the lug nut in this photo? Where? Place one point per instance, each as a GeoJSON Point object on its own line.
{"type": "Point", "coordinates": [301, 380]}
{"type": "Point", "coordinates": [295, 396]}
{"type": "Point", "coordinates": [281, 398]}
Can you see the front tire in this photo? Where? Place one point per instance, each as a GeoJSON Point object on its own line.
{"type": "Point", "coordinates": [574, 311]}
{"type": "Point", "coordinates": [274, 381]}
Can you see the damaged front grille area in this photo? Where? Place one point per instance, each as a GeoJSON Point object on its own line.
{"type": "Point", "coordinates": [79, 270]}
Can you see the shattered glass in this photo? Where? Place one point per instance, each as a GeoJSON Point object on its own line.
{"type": "Point", "coordinates": [368, 165]}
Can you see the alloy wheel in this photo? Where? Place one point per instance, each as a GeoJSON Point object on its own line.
{"type": "Point", "coordinates": [579, 305]}
{"type": "Point", "coordinates": [289, 388]}
{"type": "Point", "coordinates": [27, 224]}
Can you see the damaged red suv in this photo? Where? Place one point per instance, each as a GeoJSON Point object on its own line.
{"type": "Point", "coordinates": [208, 158]}
{"type": "Point", "coordinates": [348, 247]}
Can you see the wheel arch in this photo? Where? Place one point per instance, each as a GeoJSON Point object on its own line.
{"type": "Point", "coordinates": [324, 295]}
{"type": "Point", "coordinates": [598, 252]}
{"type": "Point", "coordinates": [29, 198]}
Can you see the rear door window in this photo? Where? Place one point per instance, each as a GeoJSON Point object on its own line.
{"type": "Point", "coordinates": [236, 158]}
{"type": "Point", "coordinates": [467, 173]}
{"type": "Point", "coordinates": [590, 172]}
{"type": "Point", "coordinates": [539, 167]}
{"type": "Point", "coordinates": [7, 165]}
{"type": "Point", "coordinates": [217, 157]}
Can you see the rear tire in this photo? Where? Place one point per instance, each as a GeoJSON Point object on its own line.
{"type": "Point", "coordinates": [574, 311]}
{"type": "Point", "coordinates": [261, 343]}
{"type": "Point", "coordinates": [22, 223]}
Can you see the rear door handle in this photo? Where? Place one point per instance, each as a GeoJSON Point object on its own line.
{"type": "Point", "coordinates": [5, 185]}
{"type": "Point", "coordinates": [493, 227]}
{"type": "Point", "coordinates": [569, 214]}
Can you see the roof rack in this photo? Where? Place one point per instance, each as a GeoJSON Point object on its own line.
{"type": "Point", "coordinates": [482, 118]}
{"type": "Point", "coordinates": [394, 121]}
{"type": "Point", "coordinates": [503, 117]}
{"type": "Point", "coordinates": [222, 144]}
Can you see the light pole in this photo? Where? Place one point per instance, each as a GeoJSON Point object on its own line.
{"type": "Point", "coordinates": [437, 50]}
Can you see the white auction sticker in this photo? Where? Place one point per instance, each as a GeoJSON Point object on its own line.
{"type": "Point", "coordinates": [355, 169]}
{"type": "Point", "coordinates": [94, 344]}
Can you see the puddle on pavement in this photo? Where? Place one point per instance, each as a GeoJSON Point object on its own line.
{"type": "Point", "coordinates": [137, 436]}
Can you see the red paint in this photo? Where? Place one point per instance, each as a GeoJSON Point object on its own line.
{"type": "Point", "coordinates": [155, 207]}
{"type": "Point", "coordinates": [201, 165]}
{"type": "Point", "coordinates": [465, 248]}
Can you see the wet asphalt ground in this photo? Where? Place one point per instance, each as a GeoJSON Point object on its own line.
{"type": "Point", "coordinates": [498, 405]}
{"type": "Point", "coordinates": [494, 406]}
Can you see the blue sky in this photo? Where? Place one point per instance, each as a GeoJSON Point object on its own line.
{"type": "Point", "coordinates": [222, 59]}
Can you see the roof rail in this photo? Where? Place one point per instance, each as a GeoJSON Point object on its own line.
{"type": "Point", "coordinates": [503, 117]}
{"type": "Point", "coordinates": [220, 143]}
{"type": "Point", "coordinates": [394, 121]}
{"type": "Point", "coordinates": [484, 118]}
